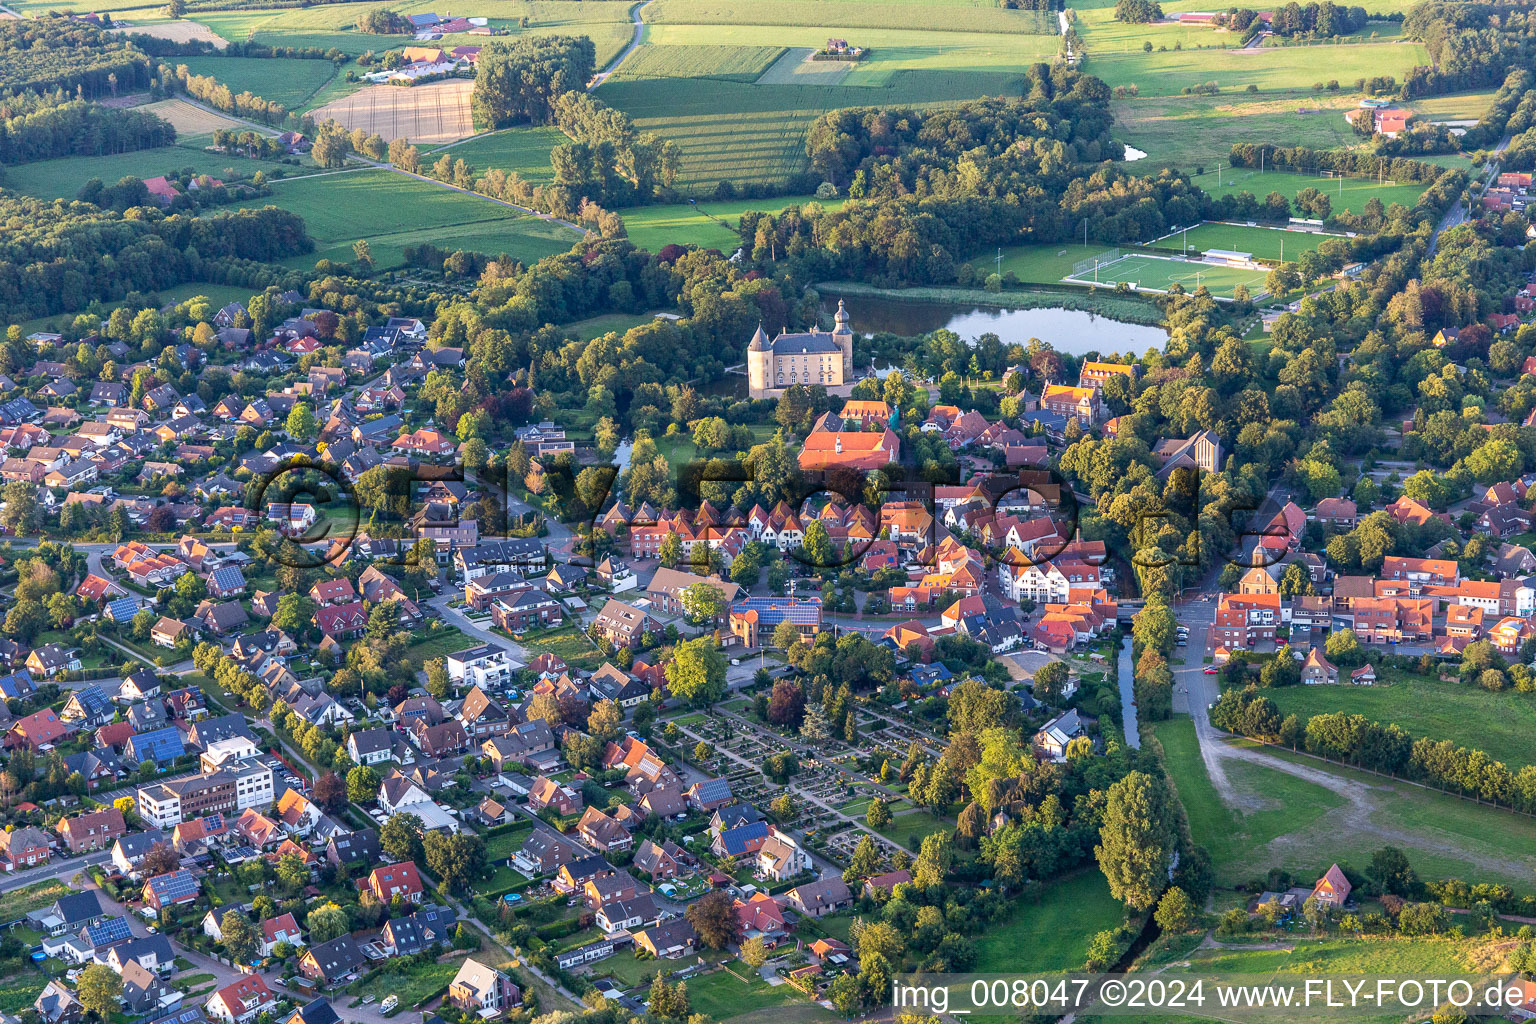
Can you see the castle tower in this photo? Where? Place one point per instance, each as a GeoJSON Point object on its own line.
{"type": "Point", "coordinates": [843, 335]}
{"type": "Point", "coordinates": [759, 368]}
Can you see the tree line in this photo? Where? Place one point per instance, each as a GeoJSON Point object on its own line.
{"type": "Point", "coordinates": [34, 127]}
{"type": "Point", "coordinates": [1388, 749]}
{"type": "Point", "coordinates": [216, 94]}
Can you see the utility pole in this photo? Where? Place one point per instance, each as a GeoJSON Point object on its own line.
{"type": "Point", "coordinates": [1186, 240]}
{"type": "Point", "coordinates": [999, 261]}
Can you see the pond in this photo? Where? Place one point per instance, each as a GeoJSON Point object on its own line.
{"type": "Point", "coordinates": [1073, 331]}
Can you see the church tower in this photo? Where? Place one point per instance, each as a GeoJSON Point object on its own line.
{"type": "Point", "coordinates": [843, 335]}
{"type": "Point", "coordinates": [759, 368]}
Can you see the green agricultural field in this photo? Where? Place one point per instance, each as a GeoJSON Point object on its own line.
{"type": "Point", "coordinates": [936, 16]}
{"type": "Point", "coordinates": [1159, 274]}
{"type": "Point", "coordinates": [1344, 193]}
{"type": "Point", "coordinates": [393, 211]}
{"type": "Point", "coordinates": [1264, 243]}
{"type": "Point", "coordinates": [524, 150]}
{"type": "Point", "coordinates": [1499, 724]}
{"type": "Point", "coordinates": [1293, 823]}
{"type": "Point", "coordinates": [1291, 69]}
{"type": "Point", "coordinates": [286, 80]}
{"type": "Point", "coordinates": [605, 21]}
{"type": "Point", "coordinates": [62, 178]}
{"type": "Point", "coordinates": [755, 132]}
{"type": "Point", "coordinates": [1053, 934]}
{"type": "Point", "coordinates": [711, 223]}
{"type": "Point", "coordinates": [732, 63]}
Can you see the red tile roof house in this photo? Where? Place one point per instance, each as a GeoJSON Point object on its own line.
{"type": "Point", "coordinates": [1333, 888]}
{"type": "Point", "coordinates": [342, 621]}
{"type": "Point", "coordinates": [330, 592]}
{"type": "Point", "coordinates": [402, 880]}
{"type": "Point", "coordinates": [37, 731]}
{"type": "Point", "coordinates": [92, 831]}
{"type": "Point", "coordinates": [23, 847]}
{"type": "Point", "coordinates": [282, 928]}
{"type": "Point", "coordinates": [241, 1002]}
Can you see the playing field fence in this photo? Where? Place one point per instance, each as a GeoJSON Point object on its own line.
{"type": "Point", "coordinates": [1083, 266]}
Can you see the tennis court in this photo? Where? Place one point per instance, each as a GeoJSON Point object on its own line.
{"type": "Point", "coordinates": [1153, 273]}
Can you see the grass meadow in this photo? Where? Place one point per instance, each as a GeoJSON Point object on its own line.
{"type": "Point", "coordinates": [1302, 826]}
{"type": "Point", "coordinates": [1189, 132]}
{"type": "Point", "coordinates": [711, 223]}
{"type": "Point", "coordinates": [393, 211]}
{"type": "Point", "coordinates": [62, 178]}
{"type": "Point", "coordinates": [286, 80]}
{"type": "Point", "coordinates": [1344, 193]}
{"type": "Point", "coordinates": [1053, 933]}
{"type": "Point", "coordinates": [1499, 724]}
{"type": "Point", "coordinates": [524, 150]}
{"type": "Point", "coordinates": [1291, 69]}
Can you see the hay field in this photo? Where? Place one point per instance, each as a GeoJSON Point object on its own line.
{"type": "Point", "coordinates": [433, 113]}
{"type": "Point", "coordinates": [176, 32]}
{"type": "Point", "coordinates": [796, 68]}
{"type": "Point", "coordinates": [190, 120]}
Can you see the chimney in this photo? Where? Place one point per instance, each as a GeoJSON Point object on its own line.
{"type": "Point", "coordinates": [837, 444]}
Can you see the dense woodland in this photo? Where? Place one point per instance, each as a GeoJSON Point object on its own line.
{"type": "Point", "coordinates": [42, 127]}
{"type": "Point", "coordinates": [1471, 45]}
{"type": "Point", "coordinates": [58, 52]}
{"type": "Point", "coordinates": [60, 257]}
{"type": "Point", "coordinates": [520, 80]}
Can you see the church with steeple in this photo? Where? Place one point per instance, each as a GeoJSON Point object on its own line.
{"type": "Point", "coordinates": [813, 357]}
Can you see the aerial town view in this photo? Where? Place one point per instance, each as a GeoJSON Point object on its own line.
{"type": "Point", "coordinates": [767, 512]}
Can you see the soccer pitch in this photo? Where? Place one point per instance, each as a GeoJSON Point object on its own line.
{"type": "Point", "coordinates": [1264, 243]}
{"type": "Point", "coordinates": [1153, 273]}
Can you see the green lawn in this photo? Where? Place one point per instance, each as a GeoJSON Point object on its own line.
{"type": "Point", "coordinates": [711, 223]}
{"type": "Point", "coordinates": [1053, 934]}
{"type": "Point", "coordinates": [62, 178]}
{"type": "Point", "coordinates": [393, 211]}
{"type": "Point", "coordinates": [286, 80]}
{"type": "Point", "coordinates": [909, 825]}
{"type": "Point", "coordinates": [1344, 193]}
{"type": "Point", "coordinates": [437, 644]}
{"type": "Point", "coordinates": [1499, 724]}
{"type": "Point", "coordinates": [1297, 824]}
{"type": "Point", "coordinates": [597, 326]}
{"type": "Point", "coordinates": [720, 996]}
{"type": "Point", "coordinates": [524, 150]}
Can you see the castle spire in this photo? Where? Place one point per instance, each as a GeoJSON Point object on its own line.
{"type": "Point", "coordinates": [840, 319]}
